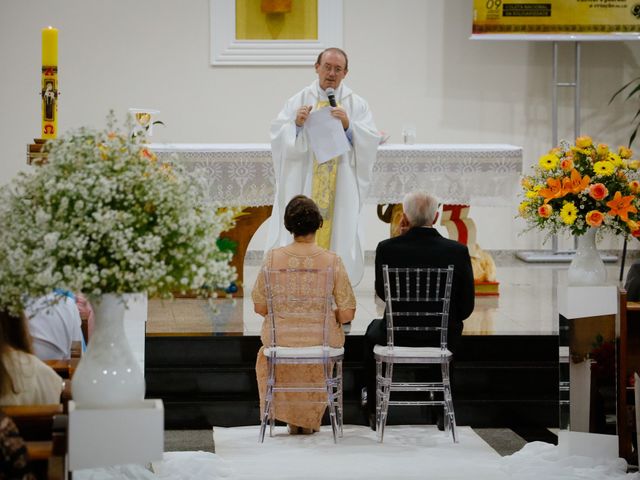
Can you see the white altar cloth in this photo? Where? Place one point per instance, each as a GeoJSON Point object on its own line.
{"type": "Point", "coordinates": [478, 174]}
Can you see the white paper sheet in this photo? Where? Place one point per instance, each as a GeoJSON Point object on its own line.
{"type": "Point", "coordinates": [326, 135]}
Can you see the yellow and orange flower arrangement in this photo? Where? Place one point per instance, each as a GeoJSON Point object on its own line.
{"type": "Point", "coordinates": [576, 187]}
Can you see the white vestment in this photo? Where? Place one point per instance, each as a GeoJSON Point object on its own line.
{"type": "Point", "coordinates": [293, 167]}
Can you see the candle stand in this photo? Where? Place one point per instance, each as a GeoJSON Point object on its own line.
{"type": "Point", "coordinates": [35, 154]}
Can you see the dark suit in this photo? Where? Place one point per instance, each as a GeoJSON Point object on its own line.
{"type": "Point", "coordinates": [632, 285]}
{"type": "Point", "coordinates": [421, 247]}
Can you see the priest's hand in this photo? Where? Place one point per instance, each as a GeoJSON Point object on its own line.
{"type": "Point", "coordinates": [341, 114]}
{"type": "Point", "coordinates": [302, 115]}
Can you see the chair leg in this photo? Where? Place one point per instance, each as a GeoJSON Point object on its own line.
{"type": "Point", "coordinates": [378, 392]}
{"type": "Point", "coordinates": [265, 414]}
{"type": "Point", "coordinates": [339, 396]}
{"type": "Point", "coordinates": [331, 399]}
{"type": "Point", "coordinates": [450, 416]}
{"type": "Point", "coordinates": [385, 394]}
{"type": "Point", "coordinates": [334, 392]}
{"type": "Point", "coordinates": [272, 413]}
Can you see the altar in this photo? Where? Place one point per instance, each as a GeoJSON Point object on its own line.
{"type": "Point", "coordinates": [241, 175]}
{"type": "Point", "coordinates": [478, 174]}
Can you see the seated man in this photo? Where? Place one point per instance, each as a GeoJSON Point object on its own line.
{"type": "Point", "coordinates": [54, 323]}
{"type": "Point", "coordinates": [419, 245]}
{"type": "Point", "coordinates": [632, 284]}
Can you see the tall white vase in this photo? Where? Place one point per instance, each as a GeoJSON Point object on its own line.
{"type": "Point", "coordinates": [108, 375]}
{"type": "Point", "coordinates": [587, 267]}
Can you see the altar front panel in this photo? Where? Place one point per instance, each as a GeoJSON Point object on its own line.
{"type": "Point", "coordinates": [478, 174]}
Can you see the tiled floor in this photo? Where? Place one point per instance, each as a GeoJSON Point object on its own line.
{"type": "Point", "coordinates": [526, 305]}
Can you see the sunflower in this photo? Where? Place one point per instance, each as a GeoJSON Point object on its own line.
{"type": "Point", "coordinates": [605, 168]}
{"type": "Point", "coordinates": [569, 213]}
{"type": "Point", "coordinates": [548, 161]}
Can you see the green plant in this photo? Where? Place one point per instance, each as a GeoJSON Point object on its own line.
{"type": "Point", "coordinates": [634, 89]}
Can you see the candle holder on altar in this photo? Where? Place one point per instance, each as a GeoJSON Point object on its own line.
{"type": "Point", "coordinates": [35, 152]}
{"type": "Point", "coordinates": [143, 121]}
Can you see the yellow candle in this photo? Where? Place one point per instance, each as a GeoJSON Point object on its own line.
{"type": "Point", "coordinates": [50, 47]}
{"type": "Point", "coordinates": [49, 82]}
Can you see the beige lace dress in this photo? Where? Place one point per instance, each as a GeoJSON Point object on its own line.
{"type": "Point", "coordinates": [307, 415]}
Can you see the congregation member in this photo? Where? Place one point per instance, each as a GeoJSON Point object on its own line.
{"type": "Point", "coordinates": [632, 282]}
{"type": "Point", "coordinates": [419, 245]}
{"type": "Point", "coordinates": [14, 460]}
{"type": "Point", "coordinates": [54, 324]}
{"type": "Point", "coordinates": [302, 219]}
{"type": "Point", "coordinates": [85, 309]}
{"type": "Point", "coordinates": [339, 185]}
{"type": "Point", "coordinates": [24, 378]}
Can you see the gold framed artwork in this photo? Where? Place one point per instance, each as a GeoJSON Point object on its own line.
{"type": "Point", "coordinates": [276, 19]}
{"type": "Point", "coordinates": [273, 32]}
{"type": "Point", "coordinates": [556, 20]}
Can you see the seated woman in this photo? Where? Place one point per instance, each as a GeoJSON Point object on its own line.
{"type": "Point", "coordinates": [302, 218]}
{"type": "Point", "coordinates": [24, 378]}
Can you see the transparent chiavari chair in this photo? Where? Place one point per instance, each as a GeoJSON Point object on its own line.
{"type": "Point", "coordinates": [299, 303]}
{"type": "Point", "coordinates": [417, 300]}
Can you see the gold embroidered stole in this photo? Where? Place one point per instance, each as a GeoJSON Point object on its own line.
{"type": "Point", "coordinates": [323, 192]}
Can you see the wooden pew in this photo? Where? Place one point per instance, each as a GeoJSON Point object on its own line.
{"type": "Point", "coordinates": [64, 368]}
{"type": "Point", "coordinates": [44, 429]}
{"type": "Point", "coordinates": [628, 362]}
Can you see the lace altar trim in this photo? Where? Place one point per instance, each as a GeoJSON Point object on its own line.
{"type": "Point", "coordinates": [242, 174]}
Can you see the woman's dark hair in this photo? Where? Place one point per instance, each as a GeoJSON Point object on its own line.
{"type": "Point", "coordinates": [14, 333]}
{"type": "Point", "coordinates": [302, 216]}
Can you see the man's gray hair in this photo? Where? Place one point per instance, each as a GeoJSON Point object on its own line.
{"type": "Point", "coordinates": [420, 208]}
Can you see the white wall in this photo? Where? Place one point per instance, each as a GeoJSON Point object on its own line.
{"type": "Point", "coordinates": [411, 59]}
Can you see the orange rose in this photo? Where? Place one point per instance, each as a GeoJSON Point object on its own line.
{"type": "Point", "coordinates": [634, 185]}
{"type": "Point", "coordinates": [566, 164]}
{"type": "Point", "coordinates": [545, 210]}
{"type": "Point", "coordinates": [598, 191]}
{"type": "Point", "coordinates": [594, 218]}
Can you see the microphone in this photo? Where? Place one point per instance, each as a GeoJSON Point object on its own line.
{"type": "Point", "coordinates": [331, 96]}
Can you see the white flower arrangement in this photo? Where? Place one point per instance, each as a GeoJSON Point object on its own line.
{"type": "Point", "coordinates": [103, 215]}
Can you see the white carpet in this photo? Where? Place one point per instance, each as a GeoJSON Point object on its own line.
{"type": "Point", "coordinates": [409, 452]}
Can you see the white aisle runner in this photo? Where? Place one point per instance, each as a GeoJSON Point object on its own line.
{"type": "Point", "coordinates": [408, 452]}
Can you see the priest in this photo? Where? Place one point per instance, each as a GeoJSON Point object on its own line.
{"type": "Point", "coordinates": [339, 185]}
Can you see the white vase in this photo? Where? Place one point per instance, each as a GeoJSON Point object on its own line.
{"type": "Point", "coordinates": [108, 374]}
{"type": "Point", "coordinates": [587, 267]}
